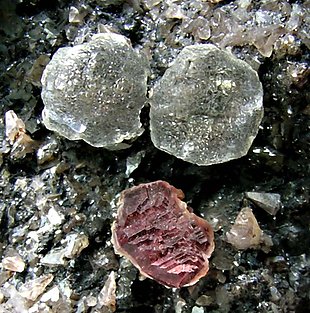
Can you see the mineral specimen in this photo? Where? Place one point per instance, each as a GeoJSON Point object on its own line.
{"type": "Point", "coordinates": [34, 288]}
{"type": "Point", "coordinates": [246, 233]}
{"type": "Point", "coordinates": [15, 130]}
{"type": "Point", "coordinates": [13, 263]}
{"type": "Point", "coordinates": [207, 107]}
{"type": "Point", "coordinates": [270, 202]}
{"type": "Point", "coordinates": [107, 297]}
{"type": "Point", "coordinates": [95, 91]}
{"type": "Point", "coordinates": [158, 233]}
{"type": "Point", "coordinates": [73, 245]}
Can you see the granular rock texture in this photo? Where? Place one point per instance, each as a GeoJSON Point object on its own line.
{"type": "Point", "coordinates": [56, 195]}
{"type": "Point", "coordinates": [207, 107]}
{"type": "Point", "coordinates": [95, 91]}
{"type": "Point", "coordinates": [155, 230]}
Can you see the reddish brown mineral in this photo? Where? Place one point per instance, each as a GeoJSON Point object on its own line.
{"type": "Point", "coordinates": [155, 230]}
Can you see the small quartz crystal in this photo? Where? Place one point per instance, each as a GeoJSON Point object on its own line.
{"type": "Point", "coordinates": [13, 263]}
{"type": "Point", "coordinates": [34, 288]}
{"type": "Point", "coordinates": [107, 295]}
{"type": "Point", "coordinates": [51, 295]}
{"type": "Point", "coordinates": [207, 107]}
{"type": "Point", "coordinates": [246, 233]}
{"type": "Point", "coordinates": [73, 245]}
{"type": "Point", "coordinates": [95, 91]}
{"type": "Point", "coordinates": [270, 202]}
{"type": "Point", "coordinates": [15, 130]}
{"type": "Point", "coordinates": [158, 233]}
{"type": "Point", "coordinates": [14, 126]}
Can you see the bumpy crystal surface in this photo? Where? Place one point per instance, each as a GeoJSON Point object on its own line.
{"type": "Point", "coordinates": [207, 107]}
{"type": "Point", "coordinates": [95, 91]}
{"type": "Point", "coordinates": [155, 230]}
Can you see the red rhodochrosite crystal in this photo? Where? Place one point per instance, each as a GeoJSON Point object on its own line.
{"type": "Point", "coordinates": [155, 230]}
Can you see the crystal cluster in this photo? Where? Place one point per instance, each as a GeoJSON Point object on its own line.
{"type": "Point", "coordinates": [156, 231]}
{"type": "Point", "coordinates": [95, 91]}
{"type": "Point", "coordinates": [269, 26]}
{"type": "Point", "coordinates": [207, 107]}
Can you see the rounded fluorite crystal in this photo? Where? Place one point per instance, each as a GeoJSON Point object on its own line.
{"type": "Point", "coordinates": [95, 91]}
{"type": "Point", "coordinates": [207, 107]}
{"type": "Point", "coordinates": [156, 231]}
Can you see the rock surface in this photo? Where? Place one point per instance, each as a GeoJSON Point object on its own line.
{"type": "Point", "coordinates": [207, 107]}
{"type": "Point", "coordinates": [155, 230]}
{"type": "Point", "coordinates": [95, 91]}
{"type": "Point", "coordinates": [67, 187]}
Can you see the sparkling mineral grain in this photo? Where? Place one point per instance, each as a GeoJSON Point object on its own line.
{"type": "Point", "coordinates": [156, 231]}
{"type": "Point", "coordinates": [95, 91]}
{"type": "Point", "coordinates": [207, 107]}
